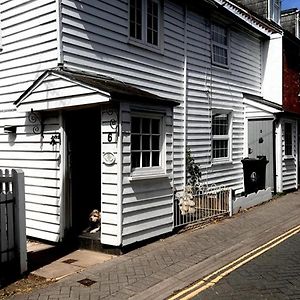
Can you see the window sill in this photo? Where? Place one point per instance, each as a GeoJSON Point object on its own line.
{"type": "Point", "coordinates": [288, 157]}
{"type": "Point", "coordinates": [221, 162]}
{"type": "Point", "coordinates": [224, 69]}
{"type": "Point", "coordinates": [147, 177]}
{"type": "Point", "coordinates": [141, 44]}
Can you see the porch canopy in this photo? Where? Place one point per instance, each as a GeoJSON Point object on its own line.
{"type": "Point", "coordinates": [60, 88]}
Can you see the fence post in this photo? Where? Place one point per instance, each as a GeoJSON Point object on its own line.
{"type": "Point", "coordinates": [230, 200]}
{"type": "Point", "coordinates": [20, 226]}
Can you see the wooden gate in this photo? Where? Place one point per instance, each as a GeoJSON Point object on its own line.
{"type": "Point", "coordinates": [12, 220]}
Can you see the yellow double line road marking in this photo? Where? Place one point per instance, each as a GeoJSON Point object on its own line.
{"type": "Point", "coordinates": [216, 276]}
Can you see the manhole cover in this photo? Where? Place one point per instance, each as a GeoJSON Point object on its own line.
{"type": "Point", "coordinates": [69, 261]}
{"type": "Point", "coordinates": [86, 282]}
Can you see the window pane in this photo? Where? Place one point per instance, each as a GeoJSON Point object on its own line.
{"type": "Point", "coordinates": [152, 22]}
{"type": "Point", "coordinates": [135, 125]}
{"type": "Point", "coordinates": [155, 159]}
{"type": "Point", "coordinates": [146, 125]}
{"type": "Point", "coordinates": [220, 55]}
{"type": "Point", "coordinates": [135, 142]}
{"type": "Point", "coordinates": [135, 18]}
{"type": "Point", "coordinates": [288, 139]}
{"type": "Point", "coordinates": [146, 159]}
{"type": "Point", "coordinates": [135, 159]}
{"type": "Point", "coordinates": [220, 124]}
{"type": "Point", "coordinates": [146, 142]}
{"type": "Point", "coordinates": [155, 142]}
{"type": "Point", "coordinates": [219, 34]}
{"type": "Point", "coordinates": [220, 148]}
{"type": "Point", "coordinates": [155, 126]}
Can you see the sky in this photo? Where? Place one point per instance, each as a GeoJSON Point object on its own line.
{"type": "Point", "coordinates": [290, 4]}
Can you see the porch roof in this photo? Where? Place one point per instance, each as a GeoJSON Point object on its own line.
{"type": "Point", "coordinates": [82, 88]}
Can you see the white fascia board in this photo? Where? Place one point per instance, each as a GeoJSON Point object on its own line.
{"type": "Point", "coordinates": [261, 106]}
{"type": "Point", "coordinates": [245, 16]}
{"type": "Point", "coordinates": [63, 103]}
{"type": "Point", "coordinates": [36, 84]}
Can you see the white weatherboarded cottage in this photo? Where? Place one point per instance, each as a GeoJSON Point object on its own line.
{"type": "Point", "coordinates": [87, 96]}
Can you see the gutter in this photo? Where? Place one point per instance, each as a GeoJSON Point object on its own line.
{"type": "Point", "coordinates": [60, 60]}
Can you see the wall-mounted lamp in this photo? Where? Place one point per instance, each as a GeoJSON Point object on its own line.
{"type": "Point", "coordinates": [10, 129]}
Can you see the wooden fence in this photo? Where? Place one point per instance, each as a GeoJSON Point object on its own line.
{"type": "Point", "coordinates": [12, 220]}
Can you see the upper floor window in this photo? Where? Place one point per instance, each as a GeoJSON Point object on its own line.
{"type": "Point", "coordinates": [275, 9]}
{"type": "Point", "coordinates": [221, 141]}
{"type": "Point", "coordinates": [219, 38]}
{"type": "Point", "coordinates": [288, 139]}
{"type": "Point", "coordinates": [144, 21]}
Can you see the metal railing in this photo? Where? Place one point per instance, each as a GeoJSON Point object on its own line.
{"type": "Point", "coordinates": [199, 203]}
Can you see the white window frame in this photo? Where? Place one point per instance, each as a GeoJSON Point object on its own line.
{"type": "Point", "coordinates": [289, 155]}
{"type": "Point", "coordinates": [223, 46]}
{"type": "Point", "coordinates": [227, 137]}
{"type": "Point", "coordinates": [274, 10]}
{"type": "Point", "coordinates": [144, 25]}
{"type": "Point", "coordinates": [152, 170]}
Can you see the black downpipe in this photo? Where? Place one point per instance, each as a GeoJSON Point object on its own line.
{"type": "Point", "coordinates": [275, 122]}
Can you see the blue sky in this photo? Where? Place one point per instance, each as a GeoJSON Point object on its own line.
{"type": "Point", "coordinates": [290, 4]}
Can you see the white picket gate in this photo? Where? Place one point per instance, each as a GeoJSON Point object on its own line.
{"type": "Point", "coordinates": [12, 220]}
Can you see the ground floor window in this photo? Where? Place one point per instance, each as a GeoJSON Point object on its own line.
{"type": "Point", "coordinates": [221, 123]}
{"type": "Point", "coordinates": [146, 141]}
{"type": "Point", "coordinates": [288, 139]}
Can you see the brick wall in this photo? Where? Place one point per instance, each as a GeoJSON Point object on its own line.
{"type": "Point", "coordinates": [291, 78]}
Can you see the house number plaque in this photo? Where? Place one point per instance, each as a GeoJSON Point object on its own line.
{"type": "Point", "coordinates": [111, 117]}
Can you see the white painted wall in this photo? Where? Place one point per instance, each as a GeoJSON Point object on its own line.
{"type": "Point", "coordinates": [29, 46]}
{"type": "Point", "coordinates": [272, 69]}
{"type": "Point", "coordinates": [181, 71]}
{"type": "Point", "coordinates": [147, 201]}
{"type": "Point", "coordinates": [289, 163]}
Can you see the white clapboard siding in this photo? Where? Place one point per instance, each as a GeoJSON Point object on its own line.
{"type": "Point", "coordinates": [110, 204]}
{"type": "Point", "coordinates": [102, 44]}
{"type": "Point", "coordinates": [29, 47]}
{"type": "Point", "coordinates": [95, 38]}
{"type": "Point", "coordinates": [226, 88]}
{"type": "Point", "coordinates": [146, 205]}
{"type": "Point", "coordinates": [289, 165]}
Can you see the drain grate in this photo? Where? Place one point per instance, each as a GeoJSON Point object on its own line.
{"type": "Point", "coordinates": [87, 282]}
{"type": "Point", "coordinates": [69, 261]}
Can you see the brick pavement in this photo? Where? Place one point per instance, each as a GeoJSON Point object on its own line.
{"type": "Point", "coordinates": [158, 269]}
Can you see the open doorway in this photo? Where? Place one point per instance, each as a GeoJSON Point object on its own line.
{"type": "Point", "coordinates": [83, 131]}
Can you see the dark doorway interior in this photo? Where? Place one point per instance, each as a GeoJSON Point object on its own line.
{"type": "Point", "coordinates": [83, 128]}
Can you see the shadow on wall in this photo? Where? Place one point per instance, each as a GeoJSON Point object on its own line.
{"type": "Point", "coordinates": [104, 43]}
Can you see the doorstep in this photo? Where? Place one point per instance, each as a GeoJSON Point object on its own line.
{"type": "Point", "coordinates": [65, 265]}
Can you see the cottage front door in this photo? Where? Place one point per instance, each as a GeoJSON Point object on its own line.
{"type": "Point", "coordinates": [260, 143]}
{"type": "Point", "coordinates": [84, 141]}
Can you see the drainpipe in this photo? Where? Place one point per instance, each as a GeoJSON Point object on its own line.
{"type": "Point", "coordinates": [278, 154]}
{"type": "Point", "coordinates": [185, 94]}
{"type": "Point", "coordinates": [59, 33]}
{"type": "Point", "coordinates": [275, 121]}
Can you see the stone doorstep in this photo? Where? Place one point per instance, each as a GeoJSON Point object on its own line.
{"type": "Point", "coordinates": [74, 262]}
